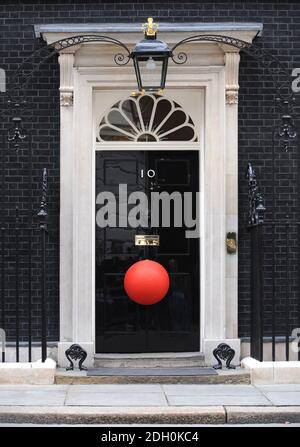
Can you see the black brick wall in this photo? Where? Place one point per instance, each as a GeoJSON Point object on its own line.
{"type": "Point", "coordinates": [281, 36]}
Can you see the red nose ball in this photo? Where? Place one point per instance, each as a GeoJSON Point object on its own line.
{"type": "Point", "coordinates": [146, 282]}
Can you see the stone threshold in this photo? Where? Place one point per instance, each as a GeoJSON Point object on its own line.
{"type": "Point", "coordinates": [233, 376]}
{"type": "Point", "coordinates": [150, 360]}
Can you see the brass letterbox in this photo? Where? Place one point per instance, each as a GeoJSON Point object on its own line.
{"type": "Point", "coordinates": [147, 239]}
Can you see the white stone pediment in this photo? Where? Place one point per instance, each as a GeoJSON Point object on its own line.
{"type": "Point", "coordinates": [128, 32]}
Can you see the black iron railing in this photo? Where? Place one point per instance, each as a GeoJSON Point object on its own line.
{"type": "Point", "coordinates": [23, 285]}
{"type": "Point", "coordinates": [274, 279]}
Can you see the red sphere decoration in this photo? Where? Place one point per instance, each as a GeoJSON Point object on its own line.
{"type": "Point", "coordinates": [146, 282]}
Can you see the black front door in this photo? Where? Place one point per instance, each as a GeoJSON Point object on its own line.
{"type": "Point", "coordinates": [172, 325]}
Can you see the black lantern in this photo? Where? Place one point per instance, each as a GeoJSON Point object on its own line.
{"type": "Point", "coordinates": [150, 57]}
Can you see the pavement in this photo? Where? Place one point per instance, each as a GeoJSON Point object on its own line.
{"type": "Point", "coordinates": [149, 403]}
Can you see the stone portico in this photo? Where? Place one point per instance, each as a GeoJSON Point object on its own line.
{"type": "Point", "coordinates": [88, 68]}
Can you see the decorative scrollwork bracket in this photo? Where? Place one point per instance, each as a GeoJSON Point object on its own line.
{"type": "Point", "coordinates": [224, 352]}
{"type": "Point", "coordinates": [42, 212]}
{"type": "Point", "coordinates": [256, 207]}
{"type": "Point", "coordinates": [16, 134]}
{"type": "Point", "coordinates": [287, 130]}
{"type": "Point", "coordinates": [76, 352]}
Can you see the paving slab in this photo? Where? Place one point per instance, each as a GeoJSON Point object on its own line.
{"type": "Point", "coordinates": [30, 397]}
{"type": "Point", "coordinates": [217, 400]}
{"type": "Point", "coordinates": [211, 390]}
{"type": "Point", "coordinates": [24, 387]}
{"type": "Point", "coordinates": [150, 395]}
{"type": "Point", "coordinates": [277, 387]}
{"type": "Point", "coordinates": [283, 397]}
{"type": "Point", "coordinates": [115, 398]}
{"type": "Point", "coordinates": [108, 388]}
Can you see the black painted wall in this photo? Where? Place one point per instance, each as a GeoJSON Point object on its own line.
{"type": "Point", "coordinates": [281, 36]}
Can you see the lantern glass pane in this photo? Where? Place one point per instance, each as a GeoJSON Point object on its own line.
{"type": "Point", "coordinates": [151, 73]}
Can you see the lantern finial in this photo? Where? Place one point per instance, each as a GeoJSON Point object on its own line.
{"type": "Point", "coordinates": [150, 28]}
{"type": "Point", "coordinates": [150, 57]}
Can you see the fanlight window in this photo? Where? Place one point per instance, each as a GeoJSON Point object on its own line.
{"type": "Point", "coordinates": [148, 118]}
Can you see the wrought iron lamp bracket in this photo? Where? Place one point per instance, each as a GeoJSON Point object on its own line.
{"type": "Point", "coordinates": [256, 206]}
{"type": "Point", "coordinates": [42, 212]}
{"type": "Point", "coordinates": [32, 63]}
{"type": "Point", "coordinates": [267, 59]}
{"type": "Point", "coordinates": [284, 96]}
{"type": "Point", "coordinates": [286, 132]}
{"type": "Point", "coordinates": [16, 134]}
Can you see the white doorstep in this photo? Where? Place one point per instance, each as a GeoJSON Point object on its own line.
{"type": "Point", "coordinates": [272, 372]}
{"type": "Point", "coordinates": [31, 373]}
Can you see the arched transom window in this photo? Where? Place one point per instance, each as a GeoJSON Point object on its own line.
{"type": "Point", "coordinates": [146, 118]}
